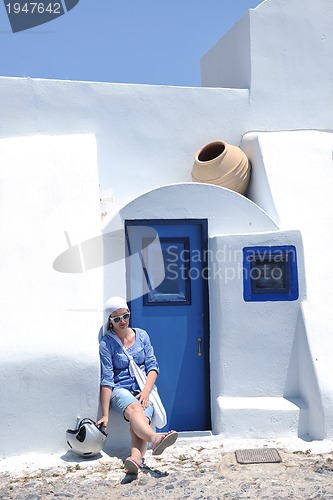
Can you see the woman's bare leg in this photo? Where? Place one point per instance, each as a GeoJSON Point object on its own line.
{"type": "Point", "coordinates": [139, 422]}
{"type": "Point", "coordinates": [138, 447]}
{"type": "Point", "coordinates": [141, 432]}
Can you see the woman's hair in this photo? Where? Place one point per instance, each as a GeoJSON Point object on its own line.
{"type": "Point", "coordinates": [109, 327]}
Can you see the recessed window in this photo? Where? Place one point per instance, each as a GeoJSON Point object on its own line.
{"type": "Point", "coordinates": [175, 289]}
{"type": "Point", "coordinates": [270, 273]}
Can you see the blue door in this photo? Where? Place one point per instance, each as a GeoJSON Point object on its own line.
{"type": "Point", "coordinates": [173, 307]}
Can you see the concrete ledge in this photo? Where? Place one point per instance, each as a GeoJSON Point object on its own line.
{"type": "Point", "coordinates": [258, 417]}
{"type": "Point", "coordinates": [118, 431]}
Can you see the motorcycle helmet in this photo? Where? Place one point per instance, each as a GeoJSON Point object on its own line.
{"type": "Point", "coordinates": [87, 439]}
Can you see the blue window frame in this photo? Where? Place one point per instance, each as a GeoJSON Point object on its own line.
{"type": "Point", "coordinates": [176, 286]}
{"type": "Point", "coordinates": [270, 273]}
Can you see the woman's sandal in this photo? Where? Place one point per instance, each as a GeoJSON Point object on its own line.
{"type": "Point", "coordinates": [167, 440]}
{"type": "Point", "coordinates": [132, 466]}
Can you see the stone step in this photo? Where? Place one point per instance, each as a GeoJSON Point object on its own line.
{"type": "Point", "coordinates": [258, 417]}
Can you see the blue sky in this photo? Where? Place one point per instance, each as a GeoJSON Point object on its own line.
{"type": "Point", "coordinates": [128, 41]}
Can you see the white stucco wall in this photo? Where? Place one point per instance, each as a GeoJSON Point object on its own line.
{"type": "Point", "coordinates": [228, 63]}
{"type": "Point", "coordinates": [244, 336]}
{"type": "Point", "coordinates": [290, 74]}
{"type": "Point", "coordinates": [61, 142]}
{"type": "Point", "coordinates": [260, 351]}
{"type": "Point", "coordinates": [49, 368]}
{"type": "Point", "coordinates": [150, 132]}
{"type": "Point", "coordinates": [266, 58]}
{"type": "Point", "coordinates": [292, 181]}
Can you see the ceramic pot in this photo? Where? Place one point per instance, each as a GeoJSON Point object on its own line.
{"type": "Point", "coordinates": [222, 164]}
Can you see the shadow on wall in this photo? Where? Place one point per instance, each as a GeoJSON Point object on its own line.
{"type": "Point", "coordinates": [302, 386]}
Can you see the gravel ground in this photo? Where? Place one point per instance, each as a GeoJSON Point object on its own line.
{"type": "Point", "coordinates": [192, 469]}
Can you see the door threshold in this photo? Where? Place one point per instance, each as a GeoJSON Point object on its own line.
{"type": "Point", "coordinates": [194, 434]}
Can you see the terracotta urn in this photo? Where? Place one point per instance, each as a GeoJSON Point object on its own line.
{"type": "Point", "coordinates": [222, 164]}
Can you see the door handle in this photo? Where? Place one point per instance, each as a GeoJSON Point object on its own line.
{"type": "Point", "coordinates": [199, 347]}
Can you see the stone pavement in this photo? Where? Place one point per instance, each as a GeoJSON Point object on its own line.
{"type": "Point", "coordinates": [194, 468]}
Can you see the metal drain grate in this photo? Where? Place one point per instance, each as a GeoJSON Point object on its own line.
{"type": "Point", "coordinates": [258, 456]}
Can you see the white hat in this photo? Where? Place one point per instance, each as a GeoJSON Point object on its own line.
{"type": "Point", "coordinates": [112, 304]}
{"type": "Point", "coordinates": [115, 303]}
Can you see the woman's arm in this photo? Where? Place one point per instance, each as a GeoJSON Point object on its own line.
{"type": "Point", "coordinates": [106, 392]}
{"type": "Point", "coordinates": [107, 379]}
{"type": "Point", "coordinates": [150, 358]}
{"type": "Point", "coordinates": [143, 397]}
{"type": "Point", "coordinates": [151, 379]}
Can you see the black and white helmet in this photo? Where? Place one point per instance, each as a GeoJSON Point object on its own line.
{"type": "Point", "coordinates": [87, 439]}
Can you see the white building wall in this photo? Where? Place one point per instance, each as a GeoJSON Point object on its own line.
{"type": "Point", "coordinates": [228, 63]}
{"type": "Point", "coordinates": [291, 46]}
{"type": "Point", "coordinates": [49, 367]}
{"type": "Point", "coordinates": [62, 141]}
{"type": "Point", "coordinates": [260, 351]}
{"type": "Point", "coordinates": [151, 132]}
{"type": "Point", "coordinates": [294, 170]}
{"type": "Point", "coordinates": [247, 339]}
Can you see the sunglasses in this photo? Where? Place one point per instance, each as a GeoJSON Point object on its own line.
{"type": "Point", "coordinates": [117, 319]}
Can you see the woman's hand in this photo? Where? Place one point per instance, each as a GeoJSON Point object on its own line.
{"type": "Point", "coordinates": [143, 398]}
{"type": "Point", "coordinates": [104, 421]}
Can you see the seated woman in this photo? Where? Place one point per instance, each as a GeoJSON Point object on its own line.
{"type": "Point", "coordinates": [121, 391]}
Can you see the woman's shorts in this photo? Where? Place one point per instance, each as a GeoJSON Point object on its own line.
{"type": "Point", "coordinates": [122, 398]}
